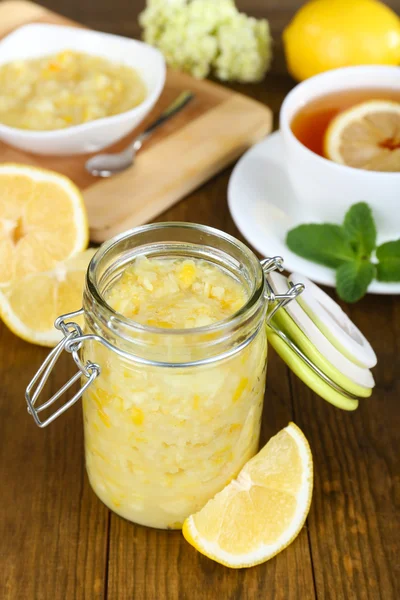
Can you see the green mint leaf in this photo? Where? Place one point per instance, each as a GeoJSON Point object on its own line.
{"type": "Point", "coordinates": [360, 229]}
{"type": "Point", "coordinates": [388, 250]}
{"type": "Point", "coordinates": [353, 279]}
{"type": "Point", "coordinates": [388, 267]}
{"type": "Point", "coordinates": [388, 270]}
{"type": "Point", "coordinates": [323, 243]}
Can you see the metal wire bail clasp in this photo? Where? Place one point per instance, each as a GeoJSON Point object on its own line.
{"type": "Point", "coordinates": [280, 300]}
{"type": "Point", "coordinates": [71, 342]}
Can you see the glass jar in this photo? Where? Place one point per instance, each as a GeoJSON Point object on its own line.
{"type": "Point", "coordinates": [170, 415]}
{"type": "Point", "coordinates": [171, 421]}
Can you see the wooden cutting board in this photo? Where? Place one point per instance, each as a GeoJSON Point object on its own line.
{"type": "Point", "coordinates": [210, 133]}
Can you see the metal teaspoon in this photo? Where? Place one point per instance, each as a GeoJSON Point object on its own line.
{"type": "Point", "coordinates": [105, 165]}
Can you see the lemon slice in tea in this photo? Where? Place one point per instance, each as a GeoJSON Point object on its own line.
{"type": "Point", "coordinates": [366, 136]}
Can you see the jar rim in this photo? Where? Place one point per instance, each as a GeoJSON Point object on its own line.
{"type": "Point", "coordinates": [256, 293]}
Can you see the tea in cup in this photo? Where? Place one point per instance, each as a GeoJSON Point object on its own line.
{"type": "Point", "coordinates": [309, 121]}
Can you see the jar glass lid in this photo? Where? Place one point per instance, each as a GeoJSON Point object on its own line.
{"type": "Point", "coordinates": [318, 342]}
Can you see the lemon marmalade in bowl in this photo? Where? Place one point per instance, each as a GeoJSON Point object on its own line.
{"type": "Point", "coordinates": [169, 425]}
{"type": "Point", "coordinates": [66, 89]}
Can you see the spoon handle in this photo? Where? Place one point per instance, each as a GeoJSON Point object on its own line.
{"type": "Point", "coordinates": [180, 102]}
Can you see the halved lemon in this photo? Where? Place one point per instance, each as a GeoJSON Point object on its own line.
{"type": "Point", "coordinates": [260, 512]}
{"type": "Point", "coordinates": [366, 136]}
{"type": "Point", "coordinates": [42, 220]}
{"type": "Point", "coordinates": [30, 304]}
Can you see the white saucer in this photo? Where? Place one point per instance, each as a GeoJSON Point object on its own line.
{"type": "Point", "coordinates": [264, 207]}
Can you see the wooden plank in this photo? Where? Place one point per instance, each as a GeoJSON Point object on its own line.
{"type": "Point", "coordinates": [353, 523]}
{"type": "Point", "coordinates": [53, 530]}
{"type": "Point", "coordinates": [53, 545]}
{"type": "Point", "coordinates": [147, 564]}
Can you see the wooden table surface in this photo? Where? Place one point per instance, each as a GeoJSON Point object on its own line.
{"type": "Point", "coordinates": [59, 542]}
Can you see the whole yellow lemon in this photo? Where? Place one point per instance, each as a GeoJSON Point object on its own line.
{"type": "Point", "coordinates": [327, 34]}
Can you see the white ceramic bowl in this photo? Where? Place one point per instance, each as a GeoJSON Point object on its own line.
{"type": "Point", "coordinates": [324, 188]}
{"type": "Point", "coordinates": [32, 41]}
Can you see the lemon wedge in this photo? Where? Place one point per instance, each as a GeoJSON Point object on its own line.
{"type": "Point", "coordinates": [42, 220]}
{"type": "Point", "coordinates": [366, 136]}
{"type": "Point", "coordinates": [260, 512]}
{"type": "Point", "coordinates": [30, 304]}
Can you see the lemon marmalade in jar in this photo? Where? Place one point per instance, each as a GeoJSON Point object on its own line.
{"type": "Point", "coordinates": [175, 412]}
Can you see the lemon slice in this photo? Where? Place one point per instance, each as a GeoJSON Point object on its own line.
{"type": "Point", "coordinates": [30, 305]}
{"type": "Point", "coordinates": [42, 220]}
{"type": "Point", "coordinates": [260, 512]}
{"type": "Point", "coordinates": [366, 136]}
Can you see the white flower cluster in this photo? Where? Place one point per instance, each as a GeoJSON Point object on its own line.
{"type": "Point", "coordinates": [204, 36]}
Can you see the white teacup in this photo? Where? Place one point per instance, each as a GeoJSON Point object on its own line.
{"type": "Point", "coordinates": [327, 189]}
